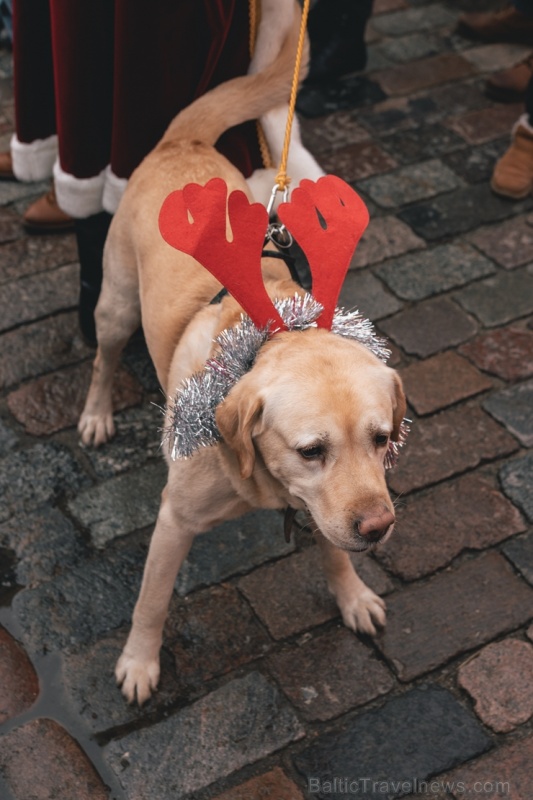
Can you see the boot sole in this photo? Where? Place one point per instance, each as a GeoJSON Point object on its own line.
{"type": "Point", "coordinates": [517, 37]}
{"type": "Point", "coordinates": [510, 195]}
{"type": "Point", "coordinates": [60, 227]}
{"type": "Point", "coordinates": [503, 95]}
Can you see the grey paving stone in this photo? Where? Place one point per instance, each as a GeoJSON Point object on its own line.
{"type": "Point", "coordinates": [123, 504]}
{"type": "Point", "coordinates": [475, 164]}
{"type": "Point", "coordinates": [29, 255]}
{"type": "Point", "coordinates": [16, 190]}
{"type": "Point", "coordinates": [410, 184]}
{"type": "Point", "coordinates": [407, 48]}
{"type": "Point", "coordinates": [376, 58]}
{"type": "Point", "coordinates": [91, 692]}
{"type": "Point", "coordinates": [233, 548]}
{"type": "Point", "coordinates": [32, 298]}
{"type": "Point", "coordinates": [330, 674]}
{"type": "Point", "coordinates": [509, 243]}
{"type": "Point", "coordinates": [137, 440]}
{"type": "Point", "coordinates": [429, 327]}
{"type": "Point", "coordinates": [400, 23]}
{"type": "Point", "coordinates": [8, 439]}
{"type": "Point", "coordinates": [45, 542]}
{"type": "Point", "coordinates": [447, 444]}
{"type": "Point", "coordinates": [291, 595]}
{"type": "Point", "coordinates": [494, 57]}
{"type": "Point", "coordinates": [363, 291]}
{"type": "Point", "coordinates": [419, 275]}
{"type": "Point", "coordinates": [421, 143]}
{"type": "Point", "coordinates": [455, 611]}
{"type": "Point", "coordinates": [37, 475]}
{"type": "Point", "coordinates": [520, 551]}
{"type": "Point", "coordinates": [414, 736]}
{"type": "Point", "coordinates": [84, 603]}
{"type": "Point", "coordinates": [514, 407]}
{"type": "Point", "coordinates": [385, 237]}
{"type": "Point", "coordinates": [517, 481]}
{"type": "Point", "coordinates": [394, 114]}
{"type": "Point", "coordinates": [459, 211]}
{"type": "Point", "coordinates": [233, 726]}
{"type": "Point", "coordinates": [453, 99]}
{"type": "Point", "coordinates": [500, 299]}
{"type": "Point", "coordinates": [332, 132]}
{"type": "Point", "coordinates": [137, 358]}
{"type": "Point", "coordinates": [43, 346]}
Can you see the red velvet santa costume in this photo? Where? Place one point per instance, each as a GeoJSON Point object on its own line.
{"type": "Point", "coordinates": [96, 84]}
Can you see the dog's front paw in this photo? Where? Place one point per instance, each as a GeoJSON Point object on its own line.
{"type": "Point", "coordinates": [96, 429]}
{"type": "Point", "coordinates": [362, 611]}
{"type": "Point", "coordinates": [137, 678]}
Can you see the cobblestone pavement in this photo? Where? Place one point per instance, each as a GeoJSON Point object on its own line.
{"type": "Point", "coordinates": [264, 693]}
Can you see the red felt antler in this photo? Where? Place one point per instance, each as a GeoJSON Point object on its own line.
{"type": "Point", "coordinates": [327, 219]}
{"type": "Point", "coordinates": [204, 238]}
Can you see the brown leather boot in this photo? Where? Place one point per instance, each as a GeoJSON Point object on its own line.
{"type": "Point", "coordinates": [6, 167]}
{"type": "Point", "coordinates": [513, 173]}
{"type": "Point", "coordinates": [506, 25]}
{"type": "Point", "coordinates": [45, 216]}
{"type": "Point", "coordinates": [509, 85]}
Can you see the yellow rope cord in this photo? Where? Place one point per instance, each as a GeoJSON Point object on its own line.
{"type": "Point", "coordinates": [282, 179]}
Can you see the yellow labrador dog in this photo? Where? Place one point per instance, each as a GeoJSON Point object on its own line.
{"type": "Point", "coordinates": [307, 427]}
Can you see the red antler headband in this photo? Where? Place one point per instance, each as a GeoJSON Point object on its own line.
{"type": "Point", "coordinates": [327, 218]}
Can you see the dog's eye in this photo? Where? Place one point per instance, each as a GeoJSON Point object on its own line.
{"type": "Point", "coordinates": [315, 451]}
{"type": "Point", "coordinates": [381, 439]}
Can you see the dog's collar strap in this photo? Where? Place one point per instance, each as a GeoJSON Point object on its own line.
{"type": "Point", "coordinates": [290, 261]}
{"type": "Point", "coordinates": [219, 296]}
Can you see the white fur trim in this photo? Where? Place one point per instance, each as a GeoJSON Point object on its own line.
{"type": "Point", "coordinates": [79, 197]}
{"type": "Point", "coordinates": [522, 122]}
{"type": "Point", "coordinates": [113, 190]}
{"type": "Point", "coordinates": [33, 161]}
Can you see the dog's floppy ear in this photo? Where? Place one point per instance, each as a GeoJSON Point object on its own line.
{"type": "Point", "coordinates": [237, 419]}
{"type": "Point", "coordinates": [399, 407]}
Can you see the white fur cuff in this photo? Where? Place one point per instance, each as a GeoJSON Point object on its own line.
{"type": "Point", "coordinates": [79, 197]}
{"type": "Point", "coordinates": [113, 190]}
{"type": "Point", "coordinates": [33, 161]}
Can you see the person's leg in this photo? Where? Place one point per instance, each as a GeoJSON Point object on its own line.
{"type": "Point", "coordinates": [82, 47]}
{"type": "Point", "coordinates": [337, 37]}
{"type": "Point", "coordinates": [165, 60]}
{"type": "Point", "coordinates": [34, 144]}
{"type": "Point", "coordinates": [91, 234]}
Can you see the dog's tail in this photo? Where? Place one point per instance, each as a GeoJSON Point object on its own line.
{"type": "Point", "coordinates": [243, 98]}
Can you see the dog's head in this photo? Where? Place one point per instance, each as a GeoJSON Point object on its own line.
{"type": "Point", "coordinates": [318, 410]}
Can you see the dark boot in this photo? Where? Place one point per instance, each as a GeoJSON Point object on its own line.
{"type": "Point", "coordinates": [337, 35]}
{"type": "Point", "coordinates": [91, 234]}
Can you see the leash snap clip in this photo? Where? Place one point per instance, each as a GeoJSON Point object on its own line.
{"type": "Point", "coordinates": [276, 232]}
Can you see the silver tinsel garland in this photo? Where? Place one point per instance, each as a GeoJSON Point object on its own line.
{"type": "Point", "coordinates": [192, 410]}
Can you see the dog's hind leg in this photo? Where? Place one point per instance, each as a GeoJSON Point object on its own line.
{"type": "Point", "coordinates": [137, 669]}
{"type": "Point", "coordinates": [360, 607]}
{"type": "Point", "coordinates": [117, 316]}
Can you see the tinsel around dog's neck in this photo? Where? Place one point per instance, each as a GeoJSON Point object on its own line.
{"type": "Point", "coordinates": [192, 410]}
